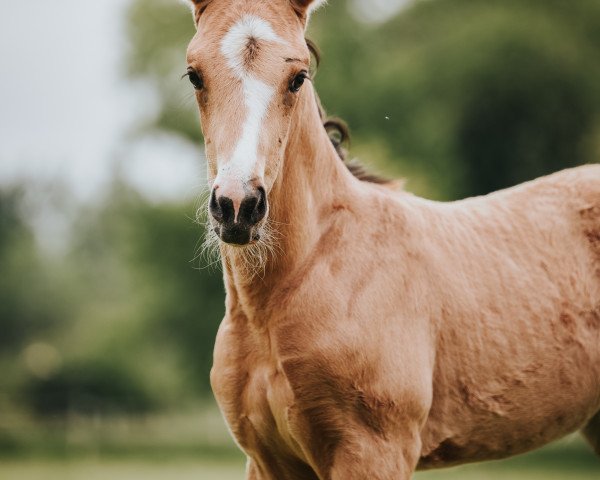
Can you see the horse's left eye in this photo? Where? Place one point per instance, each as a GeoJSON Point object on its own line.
{"type": "Point", "coordinates": [297, 82]}
{"type": "Point", "coordinates": [195, 79]}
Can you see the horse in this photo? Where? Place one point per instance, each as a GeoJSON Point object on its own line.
{"type": "Point", "coordinates": [368, 332]}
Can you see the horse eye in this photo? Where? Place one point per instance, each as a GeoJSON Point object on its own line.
{"type": "Point", "coordinates": [195, 79]}
{"type": "Point", "coordinates": [297, 82]}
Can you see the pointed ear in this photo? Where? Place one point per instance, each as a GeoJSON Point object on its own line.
{"type": "Point", "coordinates": [198, 7]}
{"type": "Point", "coordinates": [305, 7]}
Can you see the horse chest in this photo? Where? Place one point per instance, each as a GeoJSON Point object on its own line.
{"type": "Point", "coordinates": [252, 392]}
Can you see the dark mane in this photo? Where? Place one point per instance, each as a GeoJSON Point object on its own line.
{"type": "Point", "coordinates": [339, 134]}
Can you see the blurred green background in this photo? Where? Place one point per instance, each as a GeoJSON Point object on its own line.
{"type": "Point", "coordinates": [107, 315]}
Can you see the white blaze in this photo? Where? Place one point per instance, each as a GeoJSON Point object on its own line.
{"type": "Point", "coordinates": [257, 94]}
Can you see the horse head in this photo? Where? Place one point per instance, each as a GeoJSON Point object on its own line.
{"type": "Point", "coordinates": [249, 65]}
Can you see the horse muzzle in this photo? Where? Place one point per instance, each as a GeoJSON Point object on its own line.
{"type": "Point", "coordinates": [237, 214]}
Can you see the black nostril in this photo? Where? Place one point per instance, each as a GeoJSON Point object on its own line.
{"type": "Point", "coordinates": [214, 208]}
{"type": "Point", "coordinates": [247, 209]}
{"type": "Point", "coordinates": [261, 206]}
{"type": "Point", "coordinates": [226, 209]}
{"type": "Point", "coordinates": [221, 208]}
{"type": "Point", "coordinates": [253, 208]}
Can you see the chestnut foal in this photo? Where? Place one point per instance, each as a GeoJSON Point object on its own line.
{"type": "Point", "coordinates": [369, 332]}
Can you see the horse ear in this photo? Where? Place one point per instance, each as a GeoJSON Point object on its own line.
{"type": "Point", "coordinates": [198, 7]}
{"type": "Point", "coordinates": [305, 7]}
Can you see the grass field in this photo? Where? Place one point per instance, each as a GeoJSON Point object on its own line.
{"type": "Point", "coordinates": [562, 461]}
{"type": "Point", "coordinates": [545, 465]}
{"type": "Point", "coordinates": [196, 446]}
{"type": "Point", "coordinates": [123, 469]}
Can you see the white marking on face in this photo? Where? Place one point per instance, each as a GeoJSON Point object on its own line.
{"type": "Point", "coordinates": [257, 94]}
{"type": "Point", "coordinates": [235, 41]}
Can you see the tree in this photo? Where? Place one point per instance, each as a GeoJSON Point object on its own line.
{"type": "Point", "coordinates": [29, 301]}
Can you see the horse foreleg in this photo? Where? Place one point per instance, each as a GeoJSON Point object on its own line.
{"type": "Point", "coordinates": [592, 433]}
{"type": "Point", "coordinates": [279, 469]}
{"type": "Point", "coordinates": [376, 459]}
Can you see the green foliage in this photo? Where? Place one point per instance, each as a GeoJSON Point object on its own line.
{"type": "Point", "coordinates": [141, 256]}
{"type": "Point", "coordinates": [127, 315]}
{"type": "Point", "coordinates": [92, 387]}
{"type": "Point", "coordinates": [187, 300]}
{"type": "Point", "coordinates": [29, 302]}
{"type": "Point", "coordinates": [159, 31]}
{"type": "Point", "coordinates": [482, 94]}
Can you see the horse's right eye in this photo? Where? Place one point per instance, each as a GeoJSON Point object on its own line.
{"type": "Point", "coordinates": [297, 82]}
{"type": "Point", "coordinates": [195, 79]}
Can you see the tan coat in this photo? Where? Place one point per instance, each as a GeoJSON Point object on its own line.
{"type": "Point", "coordinates": [392, 332]}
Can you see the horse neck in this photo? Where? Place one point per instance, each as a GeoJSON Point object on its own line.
{"type": "Point", "coordinates": [311, 182]}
